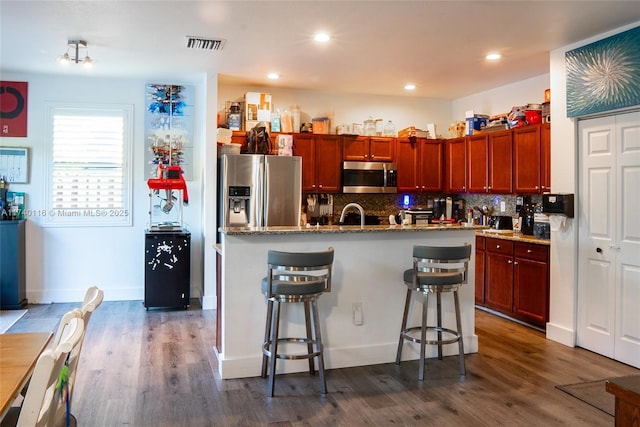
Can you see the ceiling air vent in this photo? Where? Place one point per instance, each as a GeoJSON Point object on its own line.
{"type": "Point", "coordinates": [201, 43]}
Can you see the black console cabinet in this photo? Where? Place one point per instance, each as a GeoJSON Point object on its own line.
{"type": "Point", "coordinates": [167, 269]}
{"type": "Point", "coordinates": [13, 294]}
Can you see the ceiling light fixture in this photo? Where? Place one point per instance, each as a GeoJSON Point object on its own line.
{"type": "Point", "coordinates": [321, 37]}
{"type": "Point", "coordinates": [494, 56]}
{"type": "Point", "coordinates": [410, 86]}
{"type": "Point", "coordinates": [74, 46]}
{"type": "Point", "coordinates": [273, 76]}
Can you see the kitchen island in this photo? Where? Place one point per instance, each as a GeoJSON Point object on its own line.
{"type": "Point", "coordinates": [368, 267]}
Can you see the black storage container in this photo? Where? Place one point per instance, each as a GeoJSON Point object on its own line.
{"type": "Point", "coordinates": [558, 204]}
{"type": "Point", "coordinates": [167, 272]}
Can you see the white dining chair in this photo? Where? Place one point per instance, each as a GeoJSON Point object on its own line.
{"type": "Point", "coordinates": [43, 405]}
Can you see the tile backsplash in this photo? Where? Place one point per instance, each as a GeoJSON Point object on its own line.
{"type": "Point", "coordinates": [384, 205]}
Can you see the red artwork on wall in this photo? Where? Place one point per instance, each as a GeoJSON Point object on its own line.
{"type": "Point", "coordinates": [13, 109]}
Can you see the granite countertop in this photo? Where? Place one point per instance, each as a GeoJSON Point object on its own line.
{"type": "Point", "coordinates": [332, 229]}
{"type": "Point", "coordinates": [511, 235]}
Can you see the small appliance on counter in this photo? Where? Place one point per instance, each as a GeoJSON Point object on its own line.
{"type": "Point", "coordinates": [503, 222]}
{"type": "Point", "coordinates": [527, 220]}
{"type": "Point", "coordinates": [417, 217]}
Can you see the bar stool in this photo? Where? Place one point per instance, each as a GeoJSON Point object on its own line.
{"type": "Point", "coordinates": [291, 278]}
{"type": "Point", "coordinates": [435, 270]}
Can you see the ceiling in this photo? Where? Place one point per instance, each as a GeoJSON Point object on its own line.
{"type": "Point", "coordinates": [376, 46]}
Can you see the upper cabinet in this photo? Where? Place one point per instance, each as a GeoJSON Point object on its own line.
{"type": "Point", "coordinates": [420, 164]}
{"type": "Point", "coordinates": [489, 168]}
{"type": "Point", "coordinates": [531, 159]}
{"type": "Point", "coordinates": [321, 162]}
{"type": "Point", "coordinates": [455, 160]}
{"type": "Point", "coordinates": [368, 148]}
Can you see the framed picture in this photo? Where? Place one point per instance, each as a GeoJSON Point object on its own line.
{"type": "Point", "coordinates": [604, 75]}
{"type": "Point", "coordinates": [13, 109]}
{"type": "Point", "coordinates": [14, 164]}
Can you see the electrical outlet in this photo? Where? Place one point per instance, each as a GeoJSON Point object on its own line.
{"type": "Point", "coordinates": [503, 206]}
{"type": "Point", "coordinates": [357, 313]}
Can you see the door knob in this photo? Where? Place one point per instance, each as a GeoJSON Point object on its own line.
{"type": "Point", "coordinates": [599, 250]}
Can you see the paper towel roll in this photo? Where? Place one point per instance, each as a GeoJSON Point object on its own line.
{"type": "Point", "coordinates": [557, 222]}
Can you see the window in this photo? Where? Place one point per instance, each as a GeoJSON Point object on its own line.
{"type": "Point", "coordinates": [89, 180]}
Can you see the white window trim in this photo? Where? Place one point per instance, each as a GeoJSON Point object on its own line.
{"type": "Point", "coordinates": [89, 217]}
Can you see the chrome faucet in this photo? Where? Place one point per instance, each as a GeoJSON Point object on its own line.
{"type": "Point", "coordinates": [353, 205]}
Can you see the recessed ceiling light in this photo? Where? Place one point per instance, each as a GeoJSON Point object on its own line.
{"type": "Point", "coordinates": [493, 56]}
{"type": "Point", "coordinates": [409, 86]}
{"type": "Point", "coordinates": [273, 76]}
{"type": "Point", "coordinates": [321, 37]}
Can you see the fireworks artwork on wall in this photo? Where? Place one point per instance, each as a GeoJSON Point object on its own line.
{"type": "Point", "coordinates": [604, 75]}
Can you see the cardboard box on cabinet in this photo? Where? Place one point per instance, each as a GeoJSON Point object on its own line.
{"type": "Point", "coordinates": [257, 107]}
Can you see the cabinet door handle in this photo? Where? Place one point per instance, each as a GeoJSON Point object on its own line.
{"type": "Point", "coordinates": [529, 251]}
{"type": "Point", "coordinates": [509, 262]}
{"type": "Point", "coordinates": [536, 187]}
{"type": "Point", "coordinates": [497, 246]}
{"type": "Point", "coordinates": [373, 157]}
{"type": "Point", "coordinates": [320, 186]}
{"type": "Point", "coordinates": [515, 262]}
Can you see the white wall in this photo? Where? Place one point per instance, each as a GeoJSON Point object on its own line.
{"type": "Point", "coordinates": [346, 108]}
{"type": "Point", "coordinates": [502, 99]}
{"type": "Point", "coordinates": [62, 262]}
{"type": "Point", "coordinates": [564, 170]}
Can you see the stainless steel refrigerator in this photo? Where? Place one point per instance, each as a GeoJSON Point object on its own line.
{"type": "Point", "coordinates": [260, 190]}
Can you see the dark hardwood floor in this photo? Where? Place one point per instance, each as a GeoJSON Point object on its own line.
{"type": "Point", "coordinates": [157, 368]}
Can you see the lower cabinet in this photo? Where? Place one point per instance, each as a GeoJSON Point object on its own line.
{"type": "Point", "coordinates": [513, 278]}
{"type": "Point", "coordinates": [13, 294]}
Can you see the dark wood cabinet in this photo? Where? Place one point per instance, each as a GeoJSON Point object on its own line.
{"type": "Point", "coordinates": [368, 148]}
{"type": "Point", "coordinates": [321, 162]}
{"type": "Point", "coordinates": [545, 154]}
{"type": "Point", "coordinates": [479, 271]}
{"type": "Point", "coordinates": [420, 164]}
{"type": "Point", "coordinates": [532, 159]}
{"type": "Point", "coordinates": [513, 278]}
{"type": "Point", "coordinates": [531, 283]}
{"type": "Point", "coordinates": [499, 275]}
{"type": "Point", "coordinates": [455, 159]}
{"type": "Point", "coordinates": [489, 167]}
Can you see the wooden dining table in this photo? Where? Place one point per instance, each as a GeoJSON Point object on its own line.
{"type": "Point", "coordinates": [18, 356]}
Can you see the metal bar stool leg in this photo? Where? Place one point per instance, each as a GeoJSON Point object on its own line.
{"type": "Point", "coordinates": [275, 321]}
{"type": "Point", "coordinates": [320, 346]}
{"type": "Point", "coordinates": [439, 315]}
{"type": "Point", "coordinates": [423, 334]}
{"type": "Point", "coordinates": [307, 321]}
{"type": "Point", "coordinates": [403, 327]}
{"type": "Point", "coordinates": [267, 333]}
{"type": "Point", "coordinates": [463, 370]}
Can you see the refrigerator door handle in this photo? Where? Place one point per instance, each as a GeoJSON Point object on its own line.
{"type": "Point", "coordinates": [262, 198]}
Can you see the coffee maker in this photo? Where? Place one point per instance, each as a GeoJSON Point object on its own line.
{"type": "Point", "coordinates": [526, 213]}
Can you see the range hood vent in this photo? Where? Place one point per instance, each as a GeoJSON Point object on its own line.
{"type": "Point", "coordinates": [201, 43]}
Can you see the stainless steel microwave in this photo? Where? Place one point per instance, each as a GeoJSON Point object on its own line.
{"type": "Point", "coordinates": [369, 177]}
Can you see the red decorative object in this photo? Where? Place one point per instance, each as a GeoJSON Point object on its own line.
{"type": "Point", "coordinates": [13, 109]}
{"type": "Point", "coordinates": [173, 181]}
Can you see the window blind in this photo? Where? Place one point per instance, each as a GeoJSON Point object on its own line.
{"type": "Point", "coordinates": [89, 178]}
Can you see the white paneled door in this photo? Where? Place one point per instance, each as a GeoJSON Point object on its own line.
{"type": "Point", "coordinates": [609, 237]}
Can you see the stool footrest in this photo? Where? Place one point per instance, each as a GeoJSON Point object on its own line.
{"type": "Point", "coordinates": [407, 335]}
{"type": "Point", "coordinates": [305, 341]}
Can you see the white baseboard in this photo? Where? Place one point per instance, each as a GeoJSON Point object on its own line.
{"type": "Point", "coordinates": [561, 334]}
